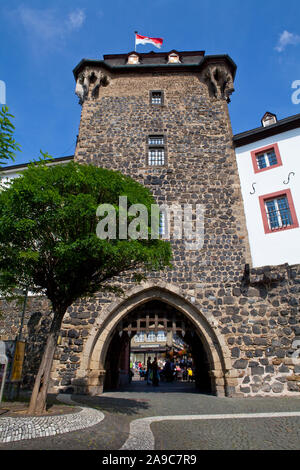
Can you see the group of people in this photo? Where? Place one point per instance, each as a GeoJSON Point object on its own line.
{"type": "Point", "coordinates": [168, 371]}
{"type": "Point", "coordinates": [176, 371]}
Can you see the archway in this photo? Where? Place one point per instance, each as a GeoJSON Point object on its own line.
{"type": "Point", "coordinates": [205, 326]}
{"type": "Point", "coordinates": [156, 330]}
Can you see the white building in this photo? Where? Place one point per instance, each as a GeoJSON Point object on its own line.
{"type": "Point", "coordinates": [14, 171]}
{"type": "Point", "coordinates": [268, 161]}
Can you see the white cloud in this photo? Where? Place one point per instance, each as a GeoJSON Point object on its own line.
{"type": "Point", "coordinates": [41, 23]}
{"type": "Point", "coordinates": [47, 24]}
{"type": "Point", "coordinates": [76, 19]}
{"type": "Point", "coordinates": [286, 39]}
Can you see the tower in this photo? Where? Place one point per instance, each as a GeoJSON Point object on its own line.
{"type": "Point", "coordinates": [162, 118]}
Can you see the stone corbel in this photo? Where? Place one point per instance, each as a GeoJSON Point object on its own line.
{"type": "Point", "coordinates": [88, 84]}
{"type": "Point", "coordinates": [220, 81]}
{"type": "Point", "coordinates": [82, 87]}
{"type": "Point", "coordinates": [101, 80]}
{"type": "Point", "coordinates": [96, 84]}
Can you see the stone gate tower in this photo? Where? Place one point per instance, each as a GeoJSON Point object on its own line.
{"type": "Point", "coordinates": [163, 119]}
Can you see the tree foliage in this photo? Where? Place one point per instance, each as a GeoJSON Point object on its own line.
{"type": "Point", "coordinates": [48, 242]}
{"type": "Point", "coordinates": [48, 232]}
{"type": "Point", "coordinates": [8, 146]}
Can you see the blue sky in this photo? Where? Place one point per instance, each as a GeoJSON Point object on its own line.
{"type": "Point", "coordinates": [41, 43]}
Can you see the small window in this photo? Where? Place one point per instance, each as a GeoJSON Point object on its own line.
{"type": "Point", "coordinates": [161, 336]}
{"type": "Point", "coordinates": [162, 223]}
{"type": "Point", "coordinates": [268, 119]}
{"type": "Point", "coordinates": [278, 211]}
{"type": "Point", "coordinates": [151, 336]}
{"type": "Point", "coordinates": [156, 150]}
{"type": "Point", "coordinates": [173, 58]}
{"type": "Point", "coordinates": [266, 158]}
{"type": "Point", "coordinates": [156, 157]}
{"type": "Point", "coordinates": [156, 140]}
{"type": "Point", "coordinates": [140, 337]}
{"type": "Point", "coordinates": [156, 97]}
{"type": "Point", "coordinates": [133, 59]}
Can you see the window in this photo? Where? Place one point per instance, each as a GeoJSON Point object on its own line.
{"type": "Point", "coordinates": [156, 157]}
{"type": "Point", "coordinates": [278, 211]}
{"type": "Point", "coordinates": [156, 140]}
{"type": "Point", "coordinates": [161, 336]}
{"type": "Point", "coordinates": [151, 336]}
{"type": "Point", "coordinates": [173, 58]}
{"type": "Point", "coordinates": [266, 158]}
{"type": "Point", "coordinates": [162, 223]}
{"type": "Point", "coordinates": [140, 337]}
{"type": "Point", "coordinates": [156, 97]}
{"type": "Point", "coordinates": [268, 119]}
{"type": "Point", "coordinates": [156, 150]}
{"type": "Point", "coordinates": [133, 59]}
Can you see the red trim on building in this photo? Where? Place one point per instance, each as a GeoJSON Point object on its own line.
{"type": "Point", "coordinates": [257, 152]}
{"type": "Point", "coordinates": [266, 197]}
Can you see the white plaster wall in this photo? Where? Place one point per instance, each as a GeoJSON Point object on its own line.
{"type": "Point", "coordinates": [6, 176]}
{"type": "Point", "coordinates": [283, 246]}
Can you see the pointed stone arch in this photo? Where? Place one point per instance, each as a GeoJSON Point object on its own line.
{"type": "Point", "coordinates": [96, 346]}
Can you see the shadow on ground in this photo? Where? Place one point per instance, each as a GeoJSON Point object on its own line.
{"type": "Point", "coordinates": [124, 406]}
{"type": "Point", "coordinates": [141, 386]}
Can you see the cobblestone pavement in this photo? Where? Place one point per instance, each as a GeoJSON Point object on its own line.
{"type": "Point", "coordinates": [140, 400]}
{"type": "Point", "coordinates": [31, 427]}
{"type": "Point", "coordinates": [239, 434]}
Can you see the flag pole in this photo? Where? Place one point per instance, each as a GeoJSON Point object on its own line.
{"type": "Point", "coordinates": [135, 40]}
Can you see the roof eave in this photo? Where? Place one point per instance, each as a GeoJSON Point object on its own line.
{"type": "Point", "coordinates": [19, 166]}
{"type": "Point", "coordinates": [259, 133]}
{"type": "Point", "coordinates": [161, 67]}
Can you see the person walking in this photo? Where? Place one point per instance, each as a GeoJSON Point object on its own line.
{"type": "Point", "coordinates": [155, 373]}
{"type": "Point", "coordinates": [167, 371]}
{"type": "Point", "coordinates": [149, 369]}
{"type": "Point", "coordinates": [173, 372]}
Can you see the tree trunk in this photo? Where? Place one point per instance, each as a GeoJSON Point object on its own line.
{"type": "Point", "coordinates": [39, 394]}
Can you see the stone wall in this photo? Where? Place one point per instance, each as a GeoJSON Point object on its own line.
{"type": "Point", "coordinates": [261, 324]}
{"type": "Point", "coordinates": [37, 322]}
{"type": "Point", "coordinates": [258, 318]}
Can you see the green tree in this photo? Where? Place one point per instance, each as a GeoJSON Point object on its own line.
{"type": "Point", "coordinates": [8, 145]}
{"type": "Point", "coordinates": [48, 241]}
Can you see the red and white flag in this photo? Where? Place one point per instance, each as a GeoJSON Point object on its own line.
{"type": "Point", "coordinates": [157, 42]}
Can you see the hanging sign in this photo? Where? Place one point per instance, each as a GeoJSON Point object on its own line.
{"type": "Point", "coordinates": [16, 374]}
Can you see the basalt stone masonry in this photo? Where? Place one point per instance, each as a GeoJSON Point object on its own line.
{"type": "Point", "coordinates": [248, 319]}
{"type": "Point", "coordinates": [37, 322]}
